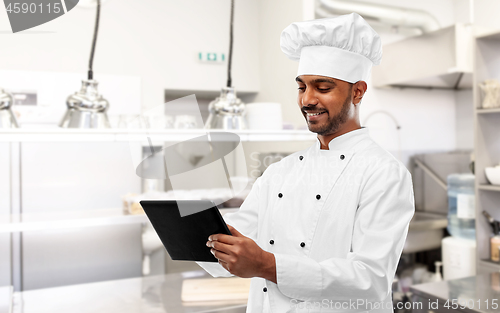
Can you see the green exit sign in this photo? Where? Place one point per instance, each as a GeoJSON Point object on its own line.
{"type": "Point", "coordinates": [211, 57]}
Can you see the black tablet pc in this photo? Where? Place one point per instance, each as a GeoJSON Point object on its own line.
{"type": "Point", "coordinates": [185, 237]}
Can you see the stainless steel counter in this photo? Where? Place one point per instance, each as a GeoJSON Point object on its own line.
{"type": "Point", "coordinates": [153, 294]}
{"type": "Point", "coordinates": [475, 294]}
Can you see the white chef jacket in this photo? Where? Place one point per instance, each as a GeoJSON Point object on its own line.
{"type": "Point", "coordinates": [336, 221]}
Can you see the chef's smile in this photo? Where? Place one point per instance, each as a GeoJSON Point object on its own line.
{"type": "Point", "coordinates": [314, 116]}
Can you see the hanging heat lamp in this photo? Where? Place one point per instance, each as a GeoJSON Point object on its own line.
{"type": "Point", "coordinates": [87, 108]}
{"type": "Point", "coordinates": [227, 111]}
{"type": "Point", "coordinates": [7, 118]}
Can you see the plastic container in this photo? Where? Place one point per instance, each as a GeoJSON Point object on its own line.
{"type": "Point", "coordinates": [461, 206]}
{"type": "Point", "coordinates": [459, 258]}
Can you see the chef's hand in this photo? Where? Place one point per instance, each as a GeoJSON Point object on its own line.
{"type": "Point", "coordinates": [241, 256]}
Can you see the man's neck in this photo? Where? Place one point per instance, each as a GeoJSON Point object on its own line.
{"type": "Point", "coordinates": [325, 139]}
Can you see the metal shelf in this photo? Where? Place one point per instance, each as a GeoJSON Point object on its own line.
{"type": "Point", "coordinates": [488, 264]}
{"type": "Point", "coordinates": [487, 111]}
{"type": "Point", "coordinates": [489, 187]}
{"type": "Point", "coordinates": [124, 135]}
{"type": "Point", "coordinates": [66, 219]}
{"type": "Point", "coordinates": [72, 219]}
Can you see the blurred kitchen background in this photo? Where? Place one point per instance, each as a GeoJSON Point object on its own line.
{"type": "Point", "coordinates": [69, 212]}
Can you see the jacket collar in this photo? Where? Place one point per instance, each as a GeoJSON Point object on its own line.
{"type": "Point", "coordinates": [346, 141]}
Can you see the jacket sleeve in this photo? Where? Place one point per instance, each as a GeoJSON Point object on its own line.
{"type": "Point", "coordinates": [245, 220]}
{"type": "Point", "coordinates": [381, 223]}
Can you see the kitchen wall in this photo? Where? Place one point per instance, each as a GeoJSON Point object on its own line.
{"type": "Point", "coordinates": [486, 13]}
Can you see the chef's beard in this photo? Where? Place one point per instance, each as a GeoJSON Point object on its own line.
{"type": "Point", "coordinates": [334, 122]}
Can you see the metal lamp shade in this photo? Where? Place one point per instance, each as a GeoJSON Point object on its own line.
{"type": "Point", "coordinates": [86, 108]}
{"type": "Point", "coordinates": [7, 118]}
{"type": "Point", "coordinates": [227, 111]}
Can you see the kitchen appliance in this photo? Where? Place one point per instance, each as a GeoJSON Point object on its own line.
{"type": "Point", "coordinates": [400, 19]}
{"type": "Point", "coordinates": [410, 62]}
{"type": "Point", "coordinates": [86, 108]}
{"type": "Point", "coordinates": [7, 118]}
{"type": "Point", "coordinates": [227, 111]}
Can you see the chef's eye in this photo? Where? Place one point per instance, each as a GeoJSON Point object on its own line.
{"type": "Point", "coordinates": [302, 88]}
{"type": "Point", "coordinates": [323, 89]}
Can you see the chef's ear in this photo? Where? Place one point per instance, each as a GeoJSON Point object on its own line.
{"type": "Point", "coordinates": [358, 91]}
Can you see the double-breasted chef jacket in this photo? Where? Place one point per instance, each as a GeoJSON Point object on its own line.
{"type": "Point", "coordinates": [336, 221]}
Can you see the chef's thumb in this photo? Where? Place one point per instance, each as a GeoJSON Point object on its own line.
{"type": "Point", "coordinates": [234, 232]}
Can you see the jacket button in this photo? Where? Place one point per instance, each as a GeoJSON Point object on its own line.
{"type": "Point", "coordinates": [271, 242]}
{"type": "Point", "coordinates": [301, 157]}
{"type": "Point", "coordinates": [342, 156]}
{"type": "Point", "coordinates": [265, 289]}
{"type": "Point", "coordinates": [302, 244]}
{"type": "Point", "coordinates": [280, 195]}
{"type": "Point", "coordinates": [318, 197]}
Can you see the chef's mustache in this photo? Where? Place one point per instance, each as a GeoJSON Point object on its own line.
{"type": "Point", "coordinates": [311, 110]}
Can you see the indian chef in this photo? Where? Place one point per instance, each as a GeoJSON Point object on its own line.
{"type": "Point", "coordinates": [323, 229]}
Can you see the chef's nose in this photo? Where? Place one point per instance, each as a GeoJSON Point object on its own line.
{"type": "Point", "coordinates": [309, 98]}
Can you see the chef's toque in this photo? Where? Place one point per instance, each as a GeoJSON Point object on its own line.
{"type": "Point", "coordinates": [343, 47]}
